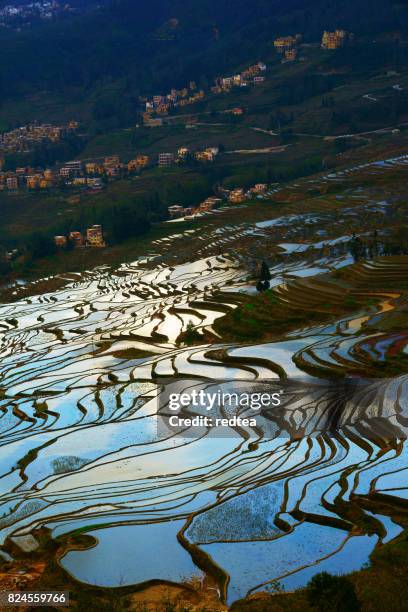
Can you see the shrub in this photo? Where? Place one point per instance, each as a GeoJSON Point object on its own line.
{"type": "Point", "coordinates": [350, 302]}
{"type": "Point", "coordinates": [191, 335]}
{"type": "Point", "coordinates": [329, 593]}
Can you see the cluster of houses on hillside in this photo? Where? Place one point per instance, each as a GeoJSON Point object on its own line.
{"type": "Point", "coordinates": [93, 175]}
{"type": "Point", "coordinates": [288, 46]}
{"type": "Point", "coordinates": [93, 172]}
{"type": "Point", "coordinates": [93, 237]}
{"type": "Point", "coordinates": [239, 194]}
{"type": "Point", "coordinates": [184, 153]}
{"type": "Point", "coordinates": [224, 196]}
{"type": "Point", "coordinates": [254, 75]}
{"type": "Point", "coordinates": [159, 106]}
{"type": "Point", "coordinates": [90, 175]}
{"type": "Point", "coordinates": [335, 40]}
{"type": "Point", "coordinates": [27, 178]}
{"type": "Point", "coordinates": [177, 211]}
{"type": "Point", "coordinates": [25, 138]}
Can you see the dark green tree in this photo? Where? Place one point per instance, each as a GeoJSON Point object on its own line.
{"type": "Point", "coordinates": [328, 593]}
{"type": "Point", "coordinates": [264, 277]}
{"type": "Point", "coordinates": [356, 248]}
{"type": "Point", "coordinates": [265, 274]}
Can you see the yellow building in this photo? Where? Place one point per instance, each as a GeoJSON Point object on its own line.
{"type": "Point", "coordinates": [132, 165]}
{"type": "Point", "coordinates": [284, 42]}
{"type": "Point", "coordinates": [94, 236]}
{"type": "Point", "coordinates": [204, 156]}
{"type": "Point", "coordinates": [49, 175]}
{"type": "Point", "coordinates": [236, 196]}
{"type": "Point", "coordinates": [141, 161]}
{"type": "Point", "coordinates": [334, 40]}
{"type": "Point", "coordinates": [33, 182]}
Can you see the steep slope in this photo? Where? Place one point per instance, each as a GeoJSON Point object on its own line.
{"type": "Point", "coordinates": [126, 39]}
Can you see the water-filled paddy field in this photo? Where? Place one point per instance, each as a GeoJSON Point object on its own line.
{"type": "Point", "coordinates": [81, 376]}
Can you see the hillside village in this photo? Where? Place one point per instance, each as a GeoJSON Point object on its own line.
{"type": "Point", "coordinates": [94, 236]}
{"type": "Point", "coordinates": [159, 106]}
{"type": "Point", "coordinates": [223, 197]}
{"type": "Point", "coordinates": [92, 175]}
{"type": "Point", "coordinates": [25, 138]}
{"type": "Point", "coordinates": [289, 46]}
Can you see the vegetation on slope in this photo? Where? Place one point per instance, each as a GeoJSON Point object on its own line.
{"type": "Point", "coordinates": [266, 315]}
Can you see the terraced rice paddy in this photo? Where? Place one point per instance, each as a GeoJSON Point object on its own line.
{"type": "Point", "coordinates": [81, 376]}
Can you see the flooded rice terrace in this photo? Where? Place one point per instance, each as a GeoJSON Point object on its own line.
{"type": "Point", "coordinates": [81, 373]}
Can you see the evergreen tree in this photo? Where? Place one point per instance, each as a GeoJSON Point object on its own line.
{"type": "Point", "coordinates": [356, 248]}
{"type": "Point", "coordinates": [265, 276]}
{"type": "Point", "coordinates": [265, 273]}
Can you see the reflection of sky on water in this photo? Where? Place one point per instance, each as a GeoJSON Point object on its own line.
{"type": "Point", "coordinates": [130, 554]}
{"type": "Point", "coordinates": [131, 469]}
{"type": "Point", "coordinates": [250, 563]}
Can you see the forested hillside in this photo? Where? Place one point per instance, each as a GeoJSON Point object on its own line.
{"type": "Point", "coordinates": [154, 45]}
